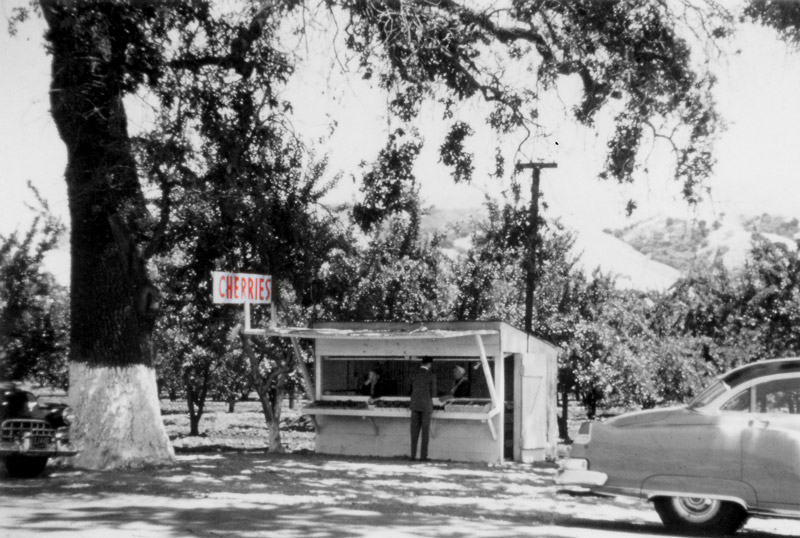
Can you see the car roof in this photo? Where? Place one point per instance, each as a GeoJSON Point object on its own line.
{"type": "Point", "coordinates": [760, 369]}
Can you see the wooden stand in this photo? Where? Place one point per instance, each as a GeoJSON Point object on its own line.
{"type": "Point", "coordinates": [513, 416]}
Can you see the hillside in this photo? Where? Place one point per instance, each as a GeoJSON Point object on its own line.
{"type": "Point", "coordinates": [595, 248]}
{"type": "Point", "coordinates": [685, 244]}
{"type": "Point", "coordinates": [632, 268]}
{"type": "Point", "coordinates": [650, 254]}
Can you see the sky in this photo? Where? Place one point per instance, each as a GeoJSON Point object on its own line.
{"type": "Point", "coordinates": [758, 156]}
{"type": "Point", "coordinates": [757, 153]}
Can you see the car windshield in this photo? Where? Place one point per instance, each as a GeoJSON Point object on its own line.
{"type": "Point", "coordinates": [708, 394]}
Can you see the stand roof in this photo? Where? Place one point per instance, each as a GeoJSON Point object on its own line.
{"type": "Point", "coordinates": [417, 333]}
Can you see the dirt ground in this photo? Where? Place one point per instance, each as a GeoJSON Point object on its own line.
{"type": "Point", "coordinates": [226, 484]}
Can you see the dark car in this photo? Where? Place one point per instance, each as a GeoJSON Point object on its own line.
{"type": "Point", "coordinates": [31, 432]}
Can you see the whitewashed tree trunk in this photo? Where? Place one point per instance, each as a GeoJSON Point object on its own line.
{"type": "Point", "coordinates": [113, 303]}
{"type": "Point", "coordinates": [119, 420]}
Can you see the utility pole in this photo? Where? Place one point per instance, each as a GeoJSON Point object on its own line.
{"type": "Point", "coordinates": [533, 237]}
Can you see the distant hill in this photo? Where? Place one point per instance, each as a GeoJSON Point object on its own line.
{"type": "Point", "coordinates": [648, 255]}
{"type": "Point", "coordinates": [631, 268]}
{"type": "Point", "coordinates": [673, 242]}
{"type": "Point", "coordinates": [596, 249]}
{"type": "Point", "coordinates": [684, 244]}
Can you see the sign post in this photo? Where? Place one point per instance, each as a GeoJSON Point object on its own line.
{"type": "Point", "coordinates": [245, 289]}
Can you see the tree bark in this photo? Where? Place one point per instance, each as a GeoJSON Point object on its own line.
{"type": "Point", "coordinates": [563, 420]}
{"type": "Point", "coordinates": [112, 302]}
{"type": "Point", "coordinates": [270, 394]}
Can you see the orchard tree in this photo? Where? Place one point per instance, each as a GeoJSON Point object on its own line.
{"type": "Point", "coordinates": [397, 276]}
{"type": "Point", "coordinates": [189, 350]}
{"type": "Point", "coordinates": [33, 306]}
{"type": "Point", "coordinates": [261, 224]}
{"type": "Point", "coordinates": [769, 299]}
{"type": "Point", "coordinates": [231, 381]}
{"type": "Point", "coordinates": [489, 274]}
{"type": "Point", "coordinates": [629, 56]}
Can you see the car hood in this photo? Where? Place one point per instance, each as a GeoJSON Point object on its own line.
{"type": "Point", "coordinates": [650, 416]}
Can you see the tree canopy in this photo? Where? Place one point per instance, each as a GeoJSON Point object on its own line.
{"type": "Point", "coordinates": [33, 306]}
{"type": "Point", "coordinates": [222, 137]}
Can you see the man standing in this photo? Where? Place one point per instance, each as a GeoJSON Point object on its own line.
{"type": "Point", "coordinates": [423, 389]}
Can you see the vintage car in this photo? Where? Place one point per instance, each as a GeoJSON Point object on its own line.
{"type": "Point", "coordinates": [31, 432]}
{"type": "Point", "coordinates": [732, 452]}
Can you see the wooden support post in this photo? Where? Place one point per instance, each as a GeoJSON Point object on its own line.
{"type": "Point", "coordinates": [491, 429]}
{"type": "Point", "coordinates": [487, 373]}
{"type": "Point", "coordinates": [301, 365]}
{"type": "Point", "coordinates": [246, 317]}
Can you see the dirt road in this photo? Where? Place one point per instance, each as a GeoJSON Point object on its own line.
{"type": "Point", "coordinates": [254, 494]}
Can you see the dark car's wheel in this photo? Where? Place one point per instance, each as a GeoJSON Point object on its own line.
{"type": "Point", "coordinates": [698, 515]}
{"type": "Point", "coordinates": [25, 466]}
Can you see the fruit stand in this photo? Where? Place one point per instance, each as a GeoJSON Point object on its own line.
{"type": "Point", "coordinates": [511, 376]}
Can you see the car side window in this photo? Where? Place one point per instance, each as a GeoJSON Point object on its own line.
{"type": "Point", "coordinates": [738, 404]}
{"type": "Point", "coordinates": [781, 396]}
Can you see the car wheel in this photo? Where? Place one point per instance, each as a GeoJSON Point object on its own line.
{"type": "Point", "coordinates": [699, 515]}
{"type": "Point", "coordinates": [25, 466]}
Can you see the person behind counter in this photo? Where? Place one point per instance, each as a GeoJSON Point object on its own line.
{"type": "Point", "coordinates": [423, 390]}
{"type": "Point", "coordinates": [373, 386]}
{"type": "Point", "coordinates": [460, 384]}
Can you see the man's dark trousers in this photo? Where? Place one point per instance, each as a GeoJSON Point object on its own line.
{"type": "Point", "coordinates": [420, 420]}
{"type": "Point", "coordinates": [423, 390]}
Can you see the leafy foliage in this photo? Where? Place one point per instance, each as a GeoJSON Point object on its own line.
{"type": "Point", "coordinates": [389, 187]}
{"type": "Point", "coordinates": [628, 56]}
{"type": "Point", "coordinates": [34, 322]}
{"type": "Point", "coordinates": [396, 276]}
{"type": "Point", "coordinates": [781, 15]}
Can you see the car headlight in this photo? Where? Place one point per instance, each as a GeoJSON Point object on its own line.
{"type": "Point", "coordinates": [68, 415]}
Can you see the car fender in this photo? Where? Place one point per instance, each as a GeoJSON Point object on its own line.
{"type": "Point", "coordinates": [723, 489]}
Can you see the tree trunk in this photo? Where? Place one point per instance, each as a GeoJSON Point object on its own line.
{"type": "Point", "coordinates": [276, 400]}
{"type": "Point", "coordinates": [267, 395]}
{"type": "Point", "coordinates": [119, 420]}
{"type": "Point", "coordinates": [196, 397]}
{"type": "Point", "coordinates": [112, 380]}
{"type": "Point", "coordinates": [563, 420]}
{"type": "Point", "coordinates": [194, 413]}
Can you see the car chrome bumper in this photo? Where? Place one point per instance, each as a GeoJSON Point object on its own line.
{"type": "Point", "coordinates": [581, 478]}
{"type": "Point", "coordinates": [573, 472]}
{"type": "Point", "coordinates": [26, 447]}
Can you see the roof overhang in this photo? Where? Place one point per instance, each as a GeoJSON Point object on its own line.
{"type": "Point", "coordinates": [418, 333]}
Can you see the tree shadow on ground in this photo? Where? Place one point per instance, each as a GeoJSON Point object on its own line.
{"type": "Point", "coordinates": [261, 494]}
